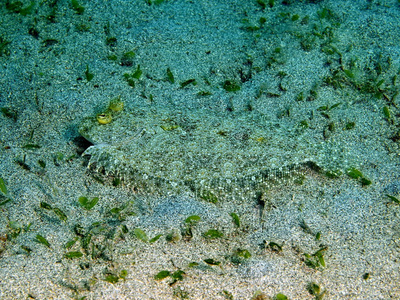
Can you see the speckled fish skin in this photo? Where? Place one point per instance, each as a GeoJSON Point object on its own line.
{"type": "Point", "coordinates": [219, 153]}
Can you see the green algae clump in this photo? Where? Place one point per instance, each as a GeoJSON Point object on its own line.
{"type": "Point", "coordinates": [116, 105]}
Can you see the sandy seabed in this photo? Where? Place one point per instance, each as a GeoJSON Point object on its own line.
{"type": "Point", "coordinates": [294, 61]}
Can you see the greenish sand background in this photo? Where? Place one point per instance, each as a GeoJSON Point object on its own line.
{"type": "Point", "coordinates": [45, 92]}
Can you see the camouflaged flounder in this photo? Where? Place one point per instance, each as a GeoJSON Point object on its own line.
{"type": "Point", "coordinates": [208, 153]}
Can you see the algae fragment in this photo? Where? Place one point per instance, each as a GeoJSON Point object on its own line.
{"type": "Point", "coordinates": [140, 234]}
{"type": "Point", "coordinates": [3, 187]}
{"type": "Point", "coordinates": [73, 254]}
{"type": "Point", "coordinates": [213, 234]}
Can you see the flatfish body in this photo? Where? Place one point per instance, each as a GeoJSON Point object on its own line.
{"type": "Point", "coordinates": [207, 153]}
